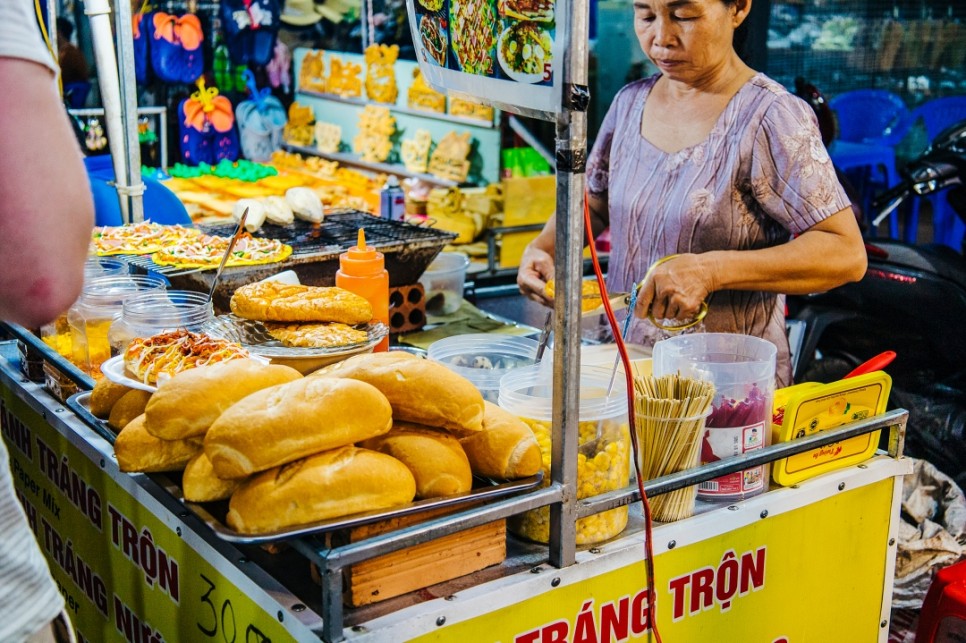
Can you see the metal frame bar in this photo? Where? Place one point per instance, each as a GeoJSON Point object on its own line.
{"type": "Point", "coordinates": [161, 112]}
{"type": "Point", "coordinates": [333, 561]}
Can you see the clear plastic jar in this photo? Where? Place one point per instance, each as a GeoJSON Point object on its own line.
{"type": "Point", "coordinates": [91, 316]}
{"type": "Point", "coordinates": [56, 334]}
{"type": "Point", "coordinates": [149, 313]}
{"type": "Point", "coordinates": [603, 458]}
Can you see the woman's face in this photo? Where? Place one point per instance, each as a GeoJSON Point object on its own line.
{"type": "Point", "coordinates": [687, 39]}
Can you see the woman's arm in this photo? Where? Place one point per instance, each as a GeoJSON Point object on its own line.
{"type": "Point", "coordinates": [537, 262]}
{"type": "Point", "coordinates": [47, 212]}
{"type": "Point", "coordinates": [827, 255]}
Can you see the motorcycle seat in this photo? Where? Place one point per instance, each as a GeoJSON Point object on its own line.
{"type": "Point", "coordinates": [935, 258]}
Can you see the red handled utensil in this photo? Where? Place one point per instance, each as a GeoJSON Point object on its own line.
{"type": "Point", "coordinates": [876, 363]}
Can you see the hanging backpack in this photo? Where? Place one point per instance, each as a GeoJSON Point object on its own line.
{"type": "Point", "coordinates": [175, 47]}
{"type": "Point", "coordinates": [251, 28]}
{"type": "Point", "coordinates": [207, 127]}
{"type": "Point", "coordinates": [142, 67]}
{"type": "Point", "coordinates": [261, 121]}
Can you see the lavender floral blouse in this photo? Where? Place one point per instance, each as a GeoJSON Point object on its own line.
{"type": "Point", "coordinates": [760, 176]}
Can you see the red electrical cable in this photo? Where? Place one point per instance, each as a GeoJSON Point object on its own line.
{"type": "Point", "coordinates": [629, 380]}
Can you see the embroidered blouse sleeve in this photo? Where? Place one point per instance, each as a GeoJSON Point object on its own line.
{"type": "Point", "coordinates": [792, 176]}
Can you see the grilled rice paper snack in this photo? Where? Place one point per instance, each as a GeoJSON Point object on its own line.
{"type": "Point", "coordinates": [419, 390]}
{"type": "Point", "coordinates": [505, 449]}
{"type": "Point", "coordinates": [278, 302]}
{"type": "Point", "coordinates": [186, 405]}
{"type": "Point", "coordinates": [321, 335]}
{"type": "Point", "coordinates": [327, 485]}
{"type": "Point", "coordinates": [105, 395]}
{"type": "Point", "coordinates": [291, 421]}
{"type": "Point", "coordinates": [127, 408]}
{"type": "Point", "coordinates": [434, 457]}
{"type": "Point", "coordinates": [200, 484]}
{"type": "Point", "coordinates": [139, 451]}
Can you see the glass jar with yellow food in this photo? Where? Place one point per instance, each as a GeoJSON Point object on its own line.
{"type": "Point", "coordinates": [603, 458]}
{"type": "Point", "coordinates": [56, 334]}
{"type": "Point", "coordinates": [91, 317]}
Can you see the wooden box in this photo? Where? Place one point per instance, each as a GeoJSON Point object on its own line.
{"type": "Point", "coordinates": [423, 565]}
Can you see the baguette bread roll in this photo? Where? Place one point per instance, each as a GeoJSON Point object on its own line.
{"type": "Point", "coordinates": [105, 395]}
{"type": "Point", "coordinates": [434, 457]}
{"type": "Point", "coordinates": [291, 421]}
{"type": "Point", "coordinates": [419, 390]}
{"type": "Point", "coordinates": [505, 449]}
{"type": "Point", "coordinates": [200, 484]}
{"type": "Point", "coordinates": [187, 404]}
{"type": "Point", "coordinates": [138, 450]}
{"type": "Point", "coordinates": [128, 407]}
{"type": "Point", "coordinates": [326, 485]}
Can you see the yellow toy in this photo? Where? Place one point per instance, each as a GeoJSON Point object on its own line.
{"type": "Point", "coordinates": [449, 159]}
{"type": "Point", "coordinates": [344, 78]}
{"type": "Point", "coordinates": [469, 109]}
{"type": "Point", "coordinates": [312, 72]}
{"type": "Point", "coordinates": [381, 73]}
{"type": "Point", "coordinates": [421, 96]}
{"type": "Point", "coordinates": [415, 151]}
{"type": "Point", "coordinates": [376, 127]}
{"type": "Point", "coordinates": [299, 129]}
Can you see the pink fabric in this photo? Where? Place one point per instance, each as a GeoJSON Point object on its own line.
{"type": "Point", "coordinates": [279, 68]}
{"type": "Point", "coordinates": [761, 175]}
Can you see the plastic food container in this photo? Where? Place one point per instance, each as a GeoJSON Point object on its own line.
{"type": "Point", "coordinates": [148, 313]}
{"type": "Point", "coordinates": [602, 464]}
{"type": "Point", "coordinates": [484, 359]}
{"type": "Point", "coordinates": [742, 369]}
{"type": "Point", "coordinates": [443, 282]}
{"type": "Point", "coordinates": [91, 316]}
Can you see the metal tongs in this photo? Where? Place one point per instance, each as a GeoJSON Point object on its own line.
{"type": "Point", "coordinates": [239, 229]}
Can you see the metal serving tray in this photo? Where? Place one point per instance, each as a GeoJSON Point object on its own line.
{"type": "Point", "coordinates": [213, 513]}
{"type": "Point", "coordinates": [408, 250]}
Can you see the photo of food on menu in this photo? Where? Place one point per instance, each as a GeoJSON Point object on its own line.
{"type": "Point", "coordinates": [505, 39]}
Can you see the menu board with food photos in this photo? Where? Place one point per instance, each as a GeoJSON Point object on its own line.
{"type": "Point", "coordinates": [505, 52]}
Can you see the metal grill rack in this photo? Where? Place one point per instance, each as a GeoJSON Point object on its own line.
{"type": "Point", "coordinates": [408, 249]}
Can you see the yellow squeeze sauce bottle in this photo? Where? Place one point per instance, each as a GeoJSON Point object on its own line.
{"type": "Point", "coordinates": [362, 270]}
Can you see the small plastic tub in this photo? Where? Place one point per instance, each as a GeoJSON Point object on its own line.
{"type": "Point", "coordinates": [603, 458]}
{"type": "Point", "coordinates": [484, 359]}
{"type": "Point", "coordinates": [443, 282]}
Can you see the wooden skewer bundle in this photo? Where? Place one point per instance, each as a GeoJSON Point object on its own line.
{"type": "Point", "coordinates": [669, 415]}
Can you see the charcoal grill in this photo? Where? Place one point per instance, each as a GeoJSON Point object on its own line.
{"type": "Point", "coordinates": [408, 249]}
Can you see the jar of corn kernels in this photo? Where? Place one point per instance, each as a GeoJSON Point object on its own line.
{"type": "Point", "coordinates": [603, 458]}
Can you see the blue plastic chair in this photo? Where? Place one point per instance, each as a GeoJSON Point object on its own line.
{"type": "Point", "coordinates": [871, 122]}
{"type": "Point", "coordinates": [937, 115]}
{"type": "Point", "coordinates": [872, 116]}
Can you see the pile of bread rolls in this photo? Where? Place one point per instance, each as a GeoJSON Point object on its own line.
{"type": "Point", "coordinates": [371, 432]}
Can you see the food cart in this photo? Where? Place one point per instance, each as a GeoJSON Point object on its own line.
{"type": "Point", "coordinates": [813, 561]}
{"type": "Point", "coordinates": [809, 562]}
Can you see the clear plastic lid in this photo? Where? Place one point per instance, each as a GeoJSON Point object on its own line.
{"type": "Point", "coordinates": [482, 358]}
{"type": "Point", "coordinates": [528, 392]}
{"type": "Point", "coordinates": [148, 313]}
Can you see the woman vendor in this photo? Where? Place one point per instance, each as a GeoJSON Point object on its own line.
{"type": "Point", "coordinates": [718, 164]}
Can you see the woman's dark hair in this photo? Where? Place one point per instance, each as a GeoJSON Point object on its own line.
{"type": "Point", "coordinates": [741, 33]}
{"type": "Point", "coordinates": [65, 27]}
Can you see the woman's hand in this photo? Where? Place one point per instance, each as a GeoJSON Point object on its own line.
{"type": "Point", "coordinates": [675, 289]}
{"type": "Point", "coordinates": [536, 267]}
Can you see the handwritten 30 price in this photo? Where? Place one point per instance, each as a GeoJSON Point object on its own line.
{"type": "Point", "coordinates": [217, 620]}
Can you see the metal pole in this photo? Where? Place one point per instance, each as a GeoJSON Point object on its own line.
{"type": "Point", "coordinates": [134, 191]}
{"type": "Point", "coordinates": [98, 12]}
{"type": "Point", "coordinates": [571, 154]}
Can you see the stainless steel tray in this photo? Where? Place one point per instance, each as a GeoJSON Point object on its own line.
{"type": "Point", "coordinates": [213, 513]}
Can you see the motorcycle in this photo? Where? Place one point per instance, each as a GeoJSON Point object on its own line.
{"type": "Point", "coordinates": [912, 300]}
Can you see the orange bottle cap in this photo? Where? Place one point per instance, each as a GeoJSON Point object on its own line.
{"type": "Point", "coordinates": [361, 259]}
